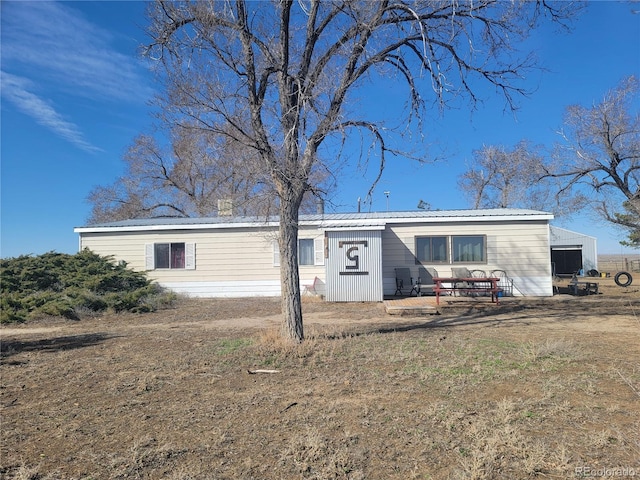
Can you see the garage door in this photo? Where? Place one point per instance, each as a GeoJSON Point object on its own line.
{"type": "Point", "coordinates": [567, 261]}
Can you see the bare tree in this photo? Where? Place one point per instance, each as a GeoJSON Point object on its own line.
{"type": "Point", "coordinates": [293, 67]}
{"type": "Point", "coordinates": [196, 175]}
{"type": "Point", "coordinates": [499, 178]}
{"type": "Point", "coordinates": [601, 154]}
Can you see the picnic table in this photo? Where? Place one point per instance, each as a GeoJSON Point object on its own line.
{"type": "Point", "coordinates": [468, 285]}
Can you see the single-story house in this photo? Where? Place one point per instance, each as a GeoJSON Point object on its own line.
{"type": "Point", "coordinates": [350, 256]}
{"type": "Point", "coordinates": [572, 252]}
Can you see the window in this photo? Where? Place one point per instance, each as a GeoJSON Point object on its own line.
{"type": "Point", "coordinates": [178, 255]}
{"type": "Point", "coordinates": [431, 250]}
{"type": "Point", "coordinates": [169, 255]}
{"type": "Point", "coordinates": [469, 249]}
{"type": "Point", "coordinates": [463, 248]}
{"type": "Point", "coordinates": [305, 251]}
{"type": "Point", "coordinates": [310, 251]}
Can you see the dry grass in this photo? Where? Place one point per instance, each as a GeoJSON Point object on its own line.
{"type": "Point", "coordinates": [531, 390]}
{"type": "Point", "coordinates": [551, 348]}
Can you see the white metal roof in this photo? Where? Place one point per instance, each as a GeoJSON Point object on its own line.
{"type": "Point", "coordinates": [327, 221]}
{"type": "Point", "coordinates": [561, 234]}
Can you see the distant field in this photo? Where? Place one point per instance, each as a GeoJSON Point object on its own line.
{"type": "Point", "coordinates": [617, 263]}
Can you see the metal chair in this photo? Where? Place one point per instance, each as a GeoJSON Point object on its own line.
{"type": "Point", "coordinates": [461, 272]}
{"type": "Point", "coordinates": [404, 281]}
{"type": "Point", "coordinates": [478, 274]}
{"type": "Point", "coordinates": [425, 279]}
{"type": "Point", "coordinates": [505, 282]}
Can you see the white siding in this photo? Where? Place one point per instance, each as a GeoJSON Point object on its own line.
{"type": "Point", "coordinates": [241, 260]}
{"type": "Point", "coordinates": [519, 248]}
{"type": "Point", "coordinates": [257, 288]}
{"type": "Point", "coordinates": [238, 262]}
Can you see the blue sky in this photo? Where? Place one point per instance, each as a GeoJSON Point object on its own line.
{"type": "Point", "coordinates": [75, 93]}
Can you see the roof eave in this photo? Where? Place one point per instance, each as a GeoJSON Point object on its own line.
{"type": "Point", "coordinates": [192, 226]}
{"type": "Point", "coordinates": [320, 223]}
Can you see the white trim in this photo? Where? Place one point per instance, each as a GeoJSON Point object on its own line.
{"type": "Point", "coordinates": [481, 218]}
{"type": "Point", "coordinates": [155, 228]}
{"type": "Point", "coordinates": [231, 289]}
{"type": "Point", "coordinates": [361, 223]}
{"type": "Point", "coordinates": [149, 256]}
{"type": "Point", "coordinates": [190, 256]}
{"type": "Point", "coordinates": [318, 250]}
{"type": "Point", "coordinates": [276, 253]}
{"type": "Point", "coordinates": [356, 228]}
{"type": "Point", "coordinates": [380, 224]}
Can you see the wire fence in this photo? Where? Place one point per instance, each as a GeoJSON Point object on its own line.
{"type": "Point", "coordinates": [619, 264]}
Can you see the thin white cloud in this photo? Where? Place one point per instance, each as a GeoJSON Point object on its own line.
{"type": "Point", "coordinates": [62, 45]}
{"type": "Point", "coordinates": [15, 90]}
{"type": "Point", "coordinates": [50, 50]}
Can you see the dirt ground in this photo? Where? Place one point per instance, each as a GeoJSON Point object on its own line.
{"type": "Point", "coordinates": [533, 388]}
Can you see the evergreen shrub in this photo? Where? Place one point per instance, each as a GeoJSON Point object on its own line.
{"type": "Point", "coordinates": [58, 284]}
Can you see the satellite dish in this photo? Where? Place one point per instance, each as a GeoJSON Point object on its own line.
{"type": "Point", "coordinates": [422, 205]}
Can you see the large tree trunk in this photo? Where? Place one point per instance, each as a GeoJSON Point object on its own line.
{"type": "Point", "coordinates": [289, 274]}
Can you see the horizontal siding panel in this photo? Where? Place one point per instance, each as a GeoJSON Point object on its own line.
{"type": "Point", "coordinates": [225, 289]}
{"type": "Point", "coordinates": [239, 261]}
{"type": "Point", "coordinates": [256, 288]}
{"type": "Point", "coordinates": [229, 256]}
{"type": "Point", "coordinates": [519, 248]}
{"type": "Point", "coordinates": [223, 254]}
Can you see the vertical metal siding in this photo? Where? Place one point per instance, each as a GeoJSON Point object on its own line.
{"type": "Point", "coordinates": [560, 237]}
{"type": "Point", "coordinates": [590, 255]}
{"type": "Point", "coordinates": [354, 266]}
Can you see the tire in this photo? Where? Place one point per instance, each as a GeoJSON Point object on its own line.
{"type": "Point", "coordinates": [620, 283]}
{"type": "Point", "coordinates": [593, 273]}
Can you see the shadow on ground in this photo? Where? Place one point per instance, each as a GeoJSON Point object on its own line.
{"type": "Point", "coordinates": [506, 315]}
{"type": "Point", "coordinates": [71, 342]}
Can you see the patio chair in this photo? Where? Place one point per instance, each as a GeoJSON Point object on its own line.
{"type": "Point", "coordinates": [404, 281]}
{"type": "Point", "coordinates": [425, 279]}
{"type": "Point", "coordinates": [505, 283]}
{"type": "Point", "coordinates": [478, 274]}
{"type": "Point", "coordinates": [309, 288]}
{"type": "Point", "coordinates": [461, 272]}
